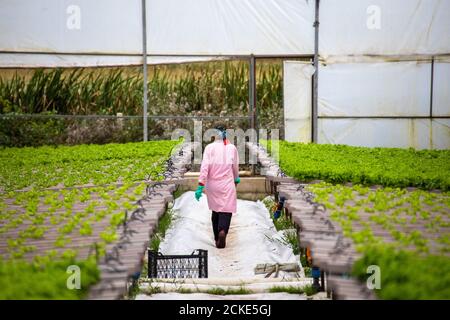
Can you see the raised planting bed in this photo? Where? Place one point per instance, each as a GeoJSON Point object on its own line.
{"type": "Point", "coordinates": [404, 231]}
{"type": "Point", "coordinates": [412, 219]}
{"type": "Point", "coordinates": [70, 205]}
{"type": "Point", "coordinates": [393, 167]}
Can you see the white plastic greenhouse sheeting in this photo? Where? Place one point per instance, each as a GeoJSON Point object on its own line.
{"type": "Point", "coordinates": [384, 89]}
{"type": "Point", "coordinates": [441, 87]}
{"type": "Point", "coordinates": [190, 27]}
{"type": "Point", "coordinates": [384, 27]}
{"type": "Point", "coordinates": [297, 100]}
{"type": "Point", "coordinates": [399, 133]}
{"type": "Point", "coordinates": [350, 31]}
{"type": "Point", "coordinates": [218, 27]}
{"type": "Point", "coordinates": [370, 89]}
{"type": "Point", "coordinates": [231, 27]}
{"type": "Point", "coordinates": [68, 60]}
{"type": "Point", "coordinates": [375, 89]}
{"type": "Point", "coordinates": [109, 34]}
{"type": "Point", "coordinates": [252, 238]}
{"type": "Point", "coordinates": [105, 26]}
{"type": "Point", "coordinates": [11, 60]}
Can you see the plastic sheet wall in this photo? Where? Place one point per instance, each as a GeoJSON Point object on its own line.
{"type": "Point", "coordinates": [226, 27]}
{"type": "Point", "coordinates": [384, 104]}
{"type": "Point", "coordinates": [398, 133]}
{"type": "Point", "coordinates": [362, 44]}
{"type": "Point", "coordinates": [231, 27]}
{"type": "Point", "coordinates": [375, 89]}
{"type": "Point", "coordinates": [71, 26]}
{"type": "Point", "coordinates": [109, 32]}
{"type": "Point", "coordinates": [297, 101]}
{"type": "Point", "coordinates": [8, 60]}
{"type": "Point", "coordinates": [384, 27]}
{"type": "Point", "coordinates": [377, 86]}
{"type": "Point", "coordinates": [441, 87]}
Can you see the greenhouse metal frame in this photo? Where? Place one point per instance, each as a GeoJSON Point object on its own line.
{"type": "Point", "coordinates": [355, 100]}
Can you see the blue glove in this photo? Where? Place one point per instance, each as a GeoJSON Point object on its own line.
{"type": "Point", "coordinates": [277, 214]}
{"type": "Point", "coordinates": [198, 192]}
{"type": "Point", "coordinates": [237, 180]}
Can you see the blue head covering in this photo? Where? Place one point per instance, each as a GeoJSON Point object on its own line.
{"type": "Point", "coordinates": [222, 131]}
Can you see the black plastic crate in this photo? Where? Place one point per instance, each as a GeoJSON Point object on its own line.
{"type": "Point", "coordinates": [194, 265]}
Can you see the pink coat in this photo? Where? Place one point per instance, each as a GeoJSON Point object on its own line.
{"type": "Point", "coordinates": [219, 169]}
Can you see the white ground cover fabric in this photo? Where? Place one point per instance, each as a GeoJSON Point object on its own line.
{"type": "Point", "coordinates": [252, 238]}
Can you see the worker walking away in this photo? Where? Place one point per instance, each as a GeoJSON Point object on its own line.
{"type": "Point", "coordinates": [219, 176]}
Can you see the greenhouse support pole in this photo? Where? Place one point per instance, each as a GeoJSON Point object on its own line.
{"type": "Point", "coordinates": [314, 113]}
{"type": "Point", "coordinates": [253, 94]}
{"type": "Point", "coordinates": [144, 56]}
{"type": "Point", "coordinates": [252, 99]}
{"type": "Point", "coordinates": [431, 88]}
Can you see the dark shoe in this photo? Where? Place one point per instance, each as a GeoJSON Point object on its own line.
{"type": "Point", "coordinates": [221, 241]}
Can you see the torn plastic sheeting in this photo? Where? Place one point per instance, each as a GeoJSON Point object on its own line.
{"type": "Point", "coordinates": [27, 60]}
{"type": "Point", "coordinates": [252, 238]}
{"type": "Point", "coordinates": [398, 133]}
{"type": "Point", "coordinates": [384, 27]}
{"type": "Point", "coordinates": [297, 100]}
{"type": "Point", "coordinates": [375, 89]}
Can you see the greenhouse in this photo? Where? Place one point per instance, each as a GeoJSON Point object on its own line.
{"type": "Point", "coordinates": [312, 135]}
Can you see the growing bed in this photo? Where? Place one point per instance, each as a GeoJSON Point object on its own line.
{"type": "Point", "coordinates": [393, 203]}
{"type": "Point", "coordinates": [62, 205]}
{"type": "Point", "coordinates": [393, 167]}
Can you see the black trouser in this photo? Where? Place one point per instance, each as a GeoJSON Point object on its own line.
{"type": "Point", "coordinates": [220, 221]}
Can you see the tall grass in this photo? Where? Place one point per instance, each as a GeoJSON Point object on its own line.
{"type": "Point", "coordinates": [217, 88]}
{"type": "Point", "coordinates": [308, 290]}
{"type": "Point", "coordinates": [289, 233]}
{"type": "Point", "coordinates": [228, 291]}
{"type": "Point", "coordinates": [74, 92]}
